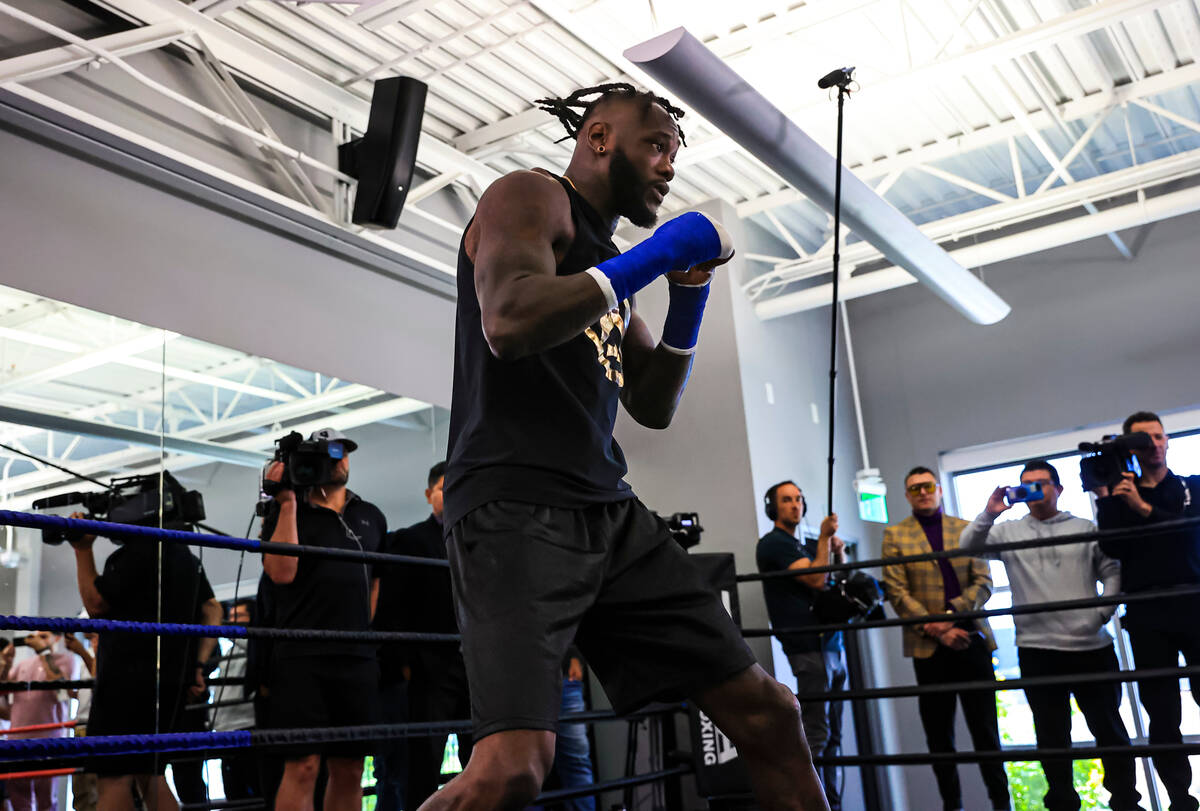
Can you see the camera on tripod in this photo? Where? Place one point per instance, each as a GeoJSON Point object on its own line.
{"type": "Point", "coordinates": [137, 500]}
{"type": "Point", "coordinates": [685, 528]}
{"type": "Point", "coordinates": [1105, 462]}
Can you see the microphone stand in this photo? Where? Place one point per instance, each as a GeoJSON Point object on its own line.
{"type": "Point", "coordinates": [840, 78]}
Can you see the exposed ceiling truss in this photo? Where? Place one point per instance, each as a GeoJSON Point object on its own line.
{"type": "Point", "coordinates": [105, 397]}
{"type": "Point", "coordinates": [974, 116]}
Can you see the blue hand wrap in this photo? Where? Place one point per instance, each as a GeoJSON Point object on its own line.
{"type": "Point", "coordinates": [677, 244]}
{"type": "Point", "coordinates": [681, 330]}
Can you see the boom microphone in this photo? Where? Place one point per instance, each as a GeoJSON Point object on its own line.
{"type": "Point", "coordinates": [834, 78]}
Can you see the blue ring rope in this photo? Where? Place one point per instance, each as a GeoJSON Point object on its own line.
{"type": "Point", "coordinates": [35, 748]}
{"type": "Point", "coordinates": [71, 624]}
{"type": "Point", "coordinates": [134, 532]}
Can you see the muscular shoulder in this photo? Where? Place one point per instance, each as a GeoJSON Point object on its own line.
{"type": "Point", "coordinates": [530, 202]}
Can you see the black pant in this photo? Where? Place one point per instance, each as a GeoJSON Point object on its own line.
{"type": "Point", "coordinates": [240, 776]}
{"type": "Point", "coordinates": [437, 692]}
{"type": "Point", "coordinates": [979, 709]}
{"type": "Point", "coordinates": [1100, 705]}
{"type": "Point", "coordinates": [189, 774]}
{"type": "Point", "coordinates": [1155, 647]}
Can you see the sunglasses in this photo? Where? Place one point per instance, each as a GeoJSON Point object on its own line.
{"type": "Point", "coordinates": [922, 487]}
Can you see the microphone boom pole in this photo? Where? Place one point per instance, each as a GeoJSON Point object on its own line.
{"type": "Point", "coordinates": [841, 79]}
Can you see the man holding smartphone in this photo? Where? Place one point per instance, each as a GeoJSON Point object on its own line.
{"type": "Point", "coordinates": [1059, 643]}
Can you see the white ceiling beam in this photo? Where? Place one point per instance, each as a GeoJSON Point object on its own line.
{"type": "Point", "coordinates": [53, 61]}
{"type": "Point", "coordinates": [1141, 212]}
{"type": "Point", "coordinates": [703, 81]}
{"type": "Point", "coordinates": [964, 183]}
{"type": "Point", "coordinates": [248, 451]}
{"type": "Point", "coordinates": [1001, 215]}
{"type": "Point", "coordinates": [283, 77]}
{"type": "Point", "coordinates": [479, 25]}
{"type": "Point", "coordinates": [90, 360]}
{"type": "Point", "coordinates": [1002, 49]}
{"type": "Point", "coordinates": [504, 128]}
{"type": "Point", "coordinates": [987, 136]}
{"type": "Point", "coordinates": [174, 372]}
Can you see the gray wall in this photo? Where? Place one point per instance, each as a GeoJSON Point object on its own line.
{"type": "Point", "coordinates": [788, 434]}
{"type": "Point", "coordinates": [1091, 338]}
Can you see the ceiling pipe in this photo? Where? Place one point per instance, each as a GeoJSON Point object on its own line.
{"type": "Point", "coordinates": [706, 84]}
{"type": "Point", "coordinates": [1078, 229]}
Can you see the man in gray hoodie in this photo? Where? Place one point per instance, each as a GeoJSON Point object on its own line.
{"type": "Point", "coordinates": [1057, 643]}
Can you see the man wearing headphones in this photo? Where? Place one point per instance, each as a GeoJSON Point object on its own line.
{"type": "Point", "coordinates": [818, 660]}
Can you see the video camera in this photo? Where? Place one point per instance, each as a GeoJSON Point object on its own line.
{"type": "Point", "coordinates": [131, 500]}
{"type": "Point", "coordinates": [850, 597]}
{"type": "Point", "coordinates": [685, 529]}
{"type": "Point", "coordinates": [306, 463]}
{"type": "Point", "coordinates": [1105, 462]}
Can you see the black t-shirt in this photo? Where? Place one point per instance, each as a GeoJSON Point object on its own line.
{"type": "Point", "coordinates": [789, 602]}
{"type": "Point", "coordinates": [538, 429]}
{"type": "Point", "coordinates": [130, 586]}
{"type": "Point", "coordinates": [1156, 561]}
{"type": "Point", "coordinates": [414, 598]}
{"type": "Point", "coordinates": [327, 594]}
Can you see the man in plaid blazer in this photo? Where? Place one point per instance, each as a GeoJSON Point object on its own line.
{"type": "Point", "coordinates": [948, 650]}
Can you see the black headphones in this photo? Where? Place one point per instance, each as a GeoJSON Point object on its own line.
{"type": "Point", "coordinates": [772, 510]}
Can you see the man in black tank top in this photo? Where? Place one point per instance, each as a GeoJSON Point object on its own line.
{"type": "Point", "coordinates": [547, 543]}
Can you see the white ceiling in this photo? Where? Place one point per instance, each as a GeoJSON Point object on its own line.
{"type": "Point", "coordinates": [98, 390]}
{"type": "Point", "coordinates": [975, 118]}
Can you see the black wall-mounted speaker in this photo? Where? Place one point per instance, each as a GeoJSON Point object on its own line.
{"type": "Point", "coordinates": [383, 159]}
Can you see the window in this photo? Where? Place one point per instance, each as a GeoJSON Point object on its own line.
{"type": "Point", "coordinates": [968, 493]}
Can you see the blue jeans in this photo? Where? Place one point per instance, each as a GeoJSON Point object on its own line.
{"type": "Point", "coordinates": [391, 758]}
{"type": "Point", "coordinates": [572, 751]}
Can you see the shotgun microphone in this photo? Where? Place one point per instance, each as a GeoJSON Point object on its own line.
{"type": "Point", "coordinates": [835, 78]}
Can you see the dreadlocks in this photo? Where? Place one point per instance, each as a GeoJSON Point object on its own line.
{"type": "Point", "coordinates": [574, 109]}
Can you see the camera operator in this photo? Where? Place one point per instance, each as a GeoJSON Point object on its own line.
{"type": "Point", "coordinates": [1159, 630]}
{"type": "Point", "coordinates": [317, 683]}
{"type": "Point", "coordinates": [126, 677]}
{"type": "Point", "coordinates": [818, 660]}
{"type": "Point", "coordinates": [1061, 643]}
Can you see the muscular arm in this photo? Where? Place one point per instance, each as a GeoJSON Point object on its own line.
{"type": "Point", "coordinates": [655, 377]}
{"type": "Point", "coordinates": [86, 574]}
{"type": "Point", "coordinates": [282, 568]}
{"type": "Point", "coordinates": [521, 228]}
{"type": "Point", "coordinates": [210, 614]}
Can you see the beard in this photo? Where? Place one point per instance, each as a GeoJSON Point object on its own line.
{"type": "Point", "coordinates": [629, 191]}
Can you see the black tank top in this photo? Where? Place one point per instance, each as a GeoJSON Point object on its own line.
{"type": "Point", "coordinates": [538, 429]}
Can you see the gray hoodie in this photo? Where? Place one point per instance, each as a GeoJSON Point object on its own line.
{"type": "Point", "coordinates": [1051, 573]}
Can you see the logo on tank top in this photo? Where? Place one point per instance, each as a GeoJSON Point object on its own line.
{"type": "Point", "coordinates": [606, 335]}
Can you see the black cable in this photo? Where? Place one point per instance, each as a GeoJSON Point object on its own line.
{"type": "Point", "coordinates": [610, 785]}
{"type": "Point", "coordinates": [1001, 685]}
{"type": "Point", "coordinates": [48, 463]}
{"type": "Point", "coordinates": [991, 550]}
{"type": "Point", "coordinates": [1020, 754]}
{"type": "Point", "coordinates": [1028, 608]}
